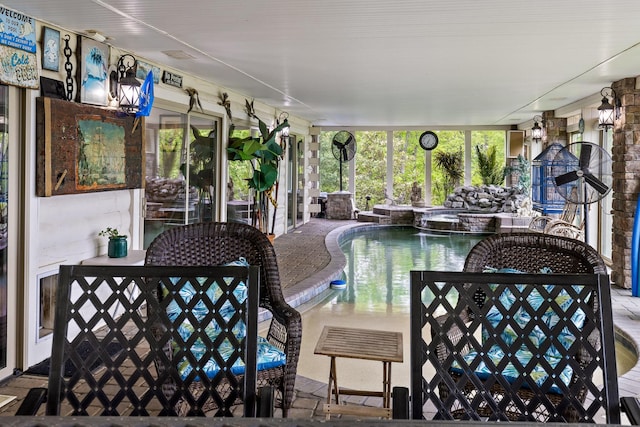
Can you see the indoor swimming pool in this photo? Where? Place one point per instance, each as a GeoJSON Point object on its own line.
{"type": "Point", "coordinates": [378, 262]}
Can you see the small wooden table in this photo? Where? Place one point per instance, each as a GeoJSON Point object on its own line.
{"type": "Point", "coordinates": [365, 344]}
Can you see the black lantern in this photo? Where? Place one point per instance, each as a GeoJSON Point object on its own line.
{"type": "Point", "coordinates": [128, 89]}
{"type": "Point", "coordinates": [607, 112]}
{"type": "Point", "coordinates": [536, 130]}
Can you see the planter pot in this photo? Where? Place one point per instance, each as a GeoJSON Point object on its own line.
{"type": "Point", "coordinates": [117, 247]}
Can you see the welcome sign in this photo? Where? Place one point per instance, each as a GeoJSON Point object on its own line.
{"type": "Point", "coordinates": [17, 30]}
{"type": "Point", "coordinates": [18, 61]}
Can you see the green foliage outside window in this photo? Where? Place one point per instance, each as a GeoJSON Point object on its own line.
{"type": "Point", "coordinates": [408, 164]}
{"type": "Point", "coordinates": [371, 167]}
{"type": "Point", "coordinates": [447, 161]}
{"type": "Point", "coordinates": [490, 168]}
{"type": "Point", "coordinates": [487, 140]}
{"type": "Point", "coordinates": [170, 145]}
{"type": "Point", "coordinates": [239, 171]}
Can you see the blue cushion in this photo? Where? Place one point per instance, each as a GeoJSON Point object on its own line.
{"type": "Point", "coordinates": [268, 356]}
{"type": "Point", "coordinates": [537, 335]}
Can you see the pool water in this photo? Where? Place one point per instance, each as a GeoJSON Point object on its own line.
{"type": "Point", "coordinates": [377, 297]}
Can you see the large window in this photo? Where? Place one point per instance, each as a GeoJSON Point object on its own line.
{"type": "Point", "coordinates": [408, 165]}
{"type": "Point", "coordinates": [447, 165]}
{"type": "Point", "coordinates": [181, 160]}
{"type": "Point", "coordinates": [411, 169]}
{"type": "Point", "coordinates": [371, 167]}
{"type": "Point", "coordinates": [492, 146]}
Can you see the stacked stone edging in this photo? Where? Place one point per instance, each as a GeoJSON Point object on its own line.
{"type": "Point", "coordinates": [486, 199]}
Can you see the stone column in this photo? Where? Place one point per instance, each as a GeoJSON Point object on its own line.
{"type": "Point", "coordinates": [626, 178]}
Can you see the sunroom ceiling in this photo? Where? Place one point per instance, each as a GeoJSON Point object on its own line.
{"type": "Point", "coordinates": [378, 62]}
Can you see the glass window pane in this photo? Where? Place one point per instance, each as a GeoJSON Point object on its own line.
{"type": "Point", "coordinates": [371, 168]}
{"type": "Point", "coordinates": [488, 157]}
{"type": "Point", "coordinates": [447, 163]}
{"type": "Point", "coordinates": [168, 203]}
{"type": "Point", "coordinates": [408, 168]}
{"type": "Point", "coordinates": [238, 192]}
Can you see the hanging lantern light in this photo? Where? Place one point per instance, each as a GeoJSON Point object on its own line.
{"type": "Point", "coordinates": [607, 112]}
{"type": "Point", "coordinates": [536, 130]}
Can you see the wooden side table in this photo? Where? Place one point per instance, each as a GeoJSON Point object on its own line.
{"type": "Point", "coordinates": [365, 344]}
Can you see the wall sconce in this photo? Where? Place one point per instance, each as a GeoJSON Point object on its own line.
{"type": "Point", "coordinates": [536, 130]}
{"type": "Point", "coordinates": [607, 112]}
{"type": "Point", "coordinates": [284, 133]}
{"type": "Point", "coordinates": [127, 87]}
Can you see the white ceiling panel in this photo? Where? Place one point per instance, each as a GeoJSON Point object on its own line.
{"type": "Point", "coordinates": [379, 62]}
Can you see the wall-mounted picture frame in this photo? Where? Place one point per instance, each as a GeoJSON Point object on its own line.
{"type": "Point", "coordinates": [52, 88]}
{"type": "Point", "coordinates": [50, 49]}
{"type": "Point", "coordinates": [94, 71]}
{"type": "Point", "coordinates": [144, 68]}
{"type": "Point", "coordinates": [84, 148]}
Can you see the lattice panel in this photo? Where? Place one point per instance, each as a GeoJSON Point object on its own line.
{"type": "Point", "coordinates": [117, 351]}
{"type": "Point", "coordinates": [475, 329]}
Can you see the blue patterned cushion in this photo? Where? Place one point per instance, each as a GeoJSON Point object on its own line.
{"type": "Point", "coordinates": [268, 356]}
{"type": "Point", "coordinates": [537, 335]}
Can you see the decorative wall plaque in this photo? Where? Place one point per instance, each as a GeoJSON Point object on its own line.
{"type": "Point", "coordinates": [171, 79]}
{"type": "Point", "coordinates": [82, 148]}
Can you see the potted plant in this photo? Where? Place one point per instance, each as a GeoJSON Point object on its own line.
{"type": "Point", "coordinates": [264, 153]}
{"type": "Point", "coordinates": [117, 247]}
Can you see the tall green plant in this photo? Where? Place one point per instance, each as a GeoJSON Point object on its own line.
{"type": "Point", "coordinates": [522, 169]}
{"type": "Point", "coordinates": [264, 153]}
{"type": "Point", "coordinates": [451, 165]}
{"type": "Point", "coordinates": [490, 168]}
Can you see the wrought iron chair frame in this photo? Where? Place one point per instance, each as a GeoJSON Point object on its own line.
{"type": "Point", "coordinates": [455, 395]}
{"type": "Point", "coordinates": [125, 305]}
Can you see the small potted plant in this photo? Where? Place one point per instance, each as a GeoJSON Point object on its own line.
{"type": "Point", "coordinates": [117, 242]}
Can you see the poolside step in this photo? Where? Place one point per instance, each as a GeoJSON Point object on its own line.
{"type": "Point", "coordinates": [399, 214]}
{"type": "Point", "coordinates": [374, 217]}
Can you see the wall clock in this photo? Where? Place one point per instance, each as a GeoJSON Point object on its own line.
{"type": "Point", "coordinates": [428, 140]}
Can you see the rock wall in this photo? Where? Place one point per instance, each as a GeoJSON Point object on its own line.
{"type": "Point", "coordinates": [488, 199]}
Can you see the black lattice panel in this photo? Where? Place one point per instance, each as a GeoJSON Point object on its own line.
{"type": "Point", "coordinates": [510, 347]}
{"type": "Point", "coordinates": [120, 347]}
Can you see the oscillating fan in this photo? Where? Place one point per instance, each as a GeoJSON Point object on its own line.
{"type": "Point", "coordinates": [583, 179]}
{"type": "Point", "coordinates": [343, 147]}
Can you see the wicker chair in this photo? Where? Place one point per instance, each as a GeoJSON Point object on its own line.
{"type": "Point", "coordinates": [564, 225]}
{"type": "Point", "coordinates": [215, 243]}
{"type": "Point", "coordinates": [528, 253]}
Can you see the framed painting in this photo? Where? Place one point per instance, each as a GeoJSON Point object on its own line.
{"type": "Point", "coordinates": [83, 148]}
{"type": "Point", "coordinates": [50, 49]}
{"type": "Point", "coordinates": [144, 68]}
{"type": "Point", "coordinates": [93, 66]}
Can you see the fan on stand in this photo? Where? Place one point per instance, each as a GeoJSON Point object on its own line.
{"type": "Point", "coordinates": [343, 147]}
{"type": "Point", "coordinates": [585, 180]}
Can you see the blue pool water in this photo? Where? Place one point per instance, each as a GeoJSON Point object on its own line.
{"type": "Point", "coordinates": [377, 295]}
{"type": "Point", "coordinates": [379, 261]}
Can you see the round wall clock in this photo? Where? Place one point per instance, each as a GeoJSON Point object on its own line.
{"type": "Point", "coordinates": [428, 140]}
